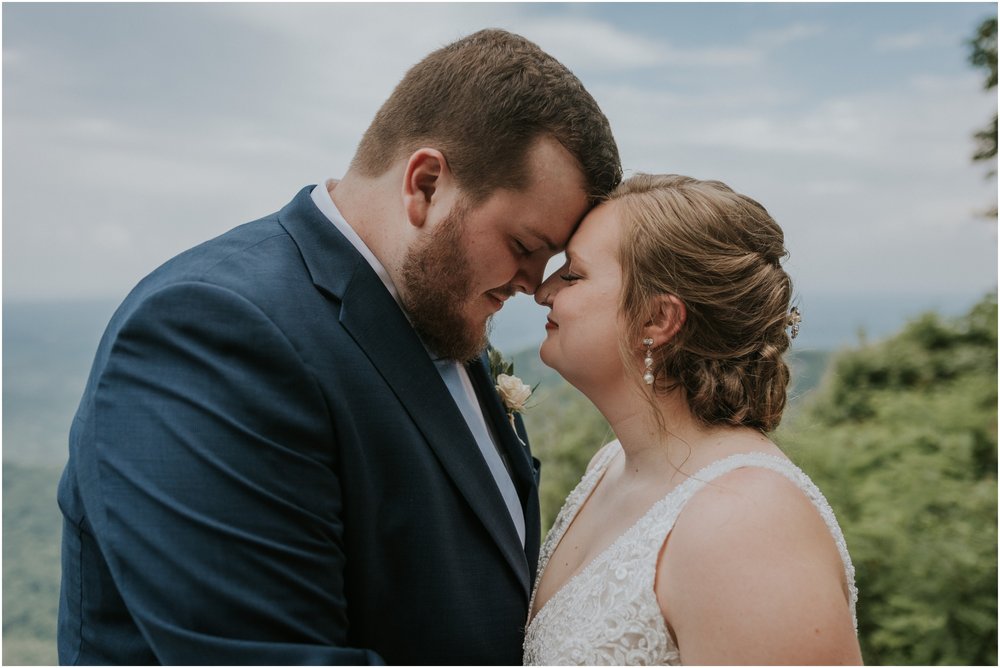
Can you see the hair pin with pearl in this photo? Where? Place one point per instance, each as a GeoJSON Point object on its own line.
{"type": "Point", "coordinates": [793, 322]}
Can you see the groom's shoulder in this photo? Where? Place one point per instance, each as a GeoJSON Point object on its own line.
{"type": "Point", "coordinates": [254, 259]}
{"type": "Point", "coordinates": [246, 249]}
{"type": "Point", "coordinates": [259, 263]}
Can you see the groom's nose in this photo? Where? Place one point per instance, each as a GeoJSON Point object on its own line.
{"type": "Point", "coordinates": [545, 292]}
{"type": "Point", "coordinates": [530, 274]}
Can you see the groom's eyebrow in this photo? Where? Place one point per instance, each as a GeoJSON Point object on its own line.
{"type": "Point", "coordinates": [551, 245]}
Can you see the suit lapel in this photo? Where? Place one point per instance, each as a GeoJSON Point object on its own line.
{"type": "Point", "coordinates": [378, 326]}
{"type": "Point", "coordinates": [508, 439]}
{"type": "Point", "coordinates": [513, 440]}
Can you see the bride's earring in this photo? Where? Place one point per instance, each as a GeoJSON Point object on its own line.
{"type": "Point", "coordinates": [648, 377]}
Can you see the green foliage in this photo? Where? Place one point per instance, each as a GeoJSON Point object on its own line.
{"type": "Point", "coordinates": [31, 541]}
{"type": "Point", "coordinates": [984, 55]}
{"type": "Point", "coordinates": [902, 438]}
{"type": "Point", "coordinates": [984, 51]}
{"type": "Point", "coordinates": [498, 365]}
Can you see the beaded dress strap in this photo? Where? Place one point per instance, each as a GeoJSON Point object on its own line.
{"type": "Point", "coordinates": [679, 497]}
{"type": "Point", "coordinates": [609, 452]}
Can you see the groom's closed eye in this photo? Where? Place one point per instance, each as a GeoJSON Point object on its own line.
{"type": "Point", "coordinates": [520, 248]}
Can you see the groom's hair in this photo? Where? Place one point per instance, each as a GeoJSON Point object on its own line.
{"type": "Point", "coordinates": [483, 101]}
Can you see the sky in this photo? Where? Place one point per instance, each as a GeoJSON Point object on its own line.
{"type": "Point", "coordinates": [134, 131]}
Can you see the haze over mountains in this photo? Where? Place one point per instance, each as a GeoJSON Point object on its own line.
{"type": "Point", "coordinates": [48, 348]}
{"type": "Point", "coordinates": [829, 321]}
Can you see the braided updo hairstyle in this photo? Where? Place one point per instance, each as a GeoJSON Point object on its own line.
{"type": "Point", "coordinates": [720, 254]}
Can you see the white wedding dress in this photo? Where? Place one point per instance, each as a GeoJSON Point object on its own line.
{"type": "Point", "coordinates": [607, 614]}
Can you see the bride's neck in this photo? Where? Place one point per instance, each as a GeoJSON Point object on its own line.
{"type": "Point", "coordinates": [653, 447]}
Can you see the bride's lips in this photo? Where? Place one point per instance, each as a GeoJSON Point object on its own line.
{"type": "Point", "coordinates": [550, 324]}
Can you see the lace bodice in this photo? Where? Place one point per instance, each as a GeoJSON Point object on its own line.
{"type": "Point", "coordinates": [607, 614]}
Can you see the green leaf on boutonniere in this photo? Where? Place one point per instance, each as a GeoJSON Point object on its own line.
{"type": "Point", "coordinates": [498, 366]}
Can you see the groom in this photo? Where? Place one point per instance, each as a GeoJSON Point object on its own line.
{"type": "Point", "coordinates": [290, 449]}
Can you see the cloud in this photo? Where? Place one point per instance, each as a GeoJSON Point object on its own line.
{"type": "Point", "coordinates": [915, 40]}
{"type": "Point", "coordinates": [600, 46]}
{"type": "Point", "coordinates": [154, 127]}
{"type": "Point", "coordinates": [597, 46]}
{"type": "Point", "coordinates": [790, 34]}
{"type": "Point", "coordinates": [927, 120]}
{"type": "Point", "coordinates": [901, 42]}
{"type": "Point", "coordinates": [873, 187]}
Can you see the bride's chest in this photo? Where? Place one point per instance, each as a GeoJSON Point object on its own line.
{"type": "Point", "coordinates": [603, 521]}
{"type": "Point", "coordinates": [603, 611]}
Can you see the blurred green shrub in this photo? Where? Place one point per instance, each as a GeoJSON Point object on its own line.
{"type": "Point", "coordinates": [902, 438]}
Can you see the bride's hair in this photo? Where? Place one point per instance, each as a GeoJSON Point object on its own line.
{"type": "Point", "coordinates": [720, 253]}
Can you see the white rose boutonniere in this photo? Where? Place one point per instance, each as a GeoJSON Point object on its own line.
{"type": "Point", "coordinates": [514, 393]}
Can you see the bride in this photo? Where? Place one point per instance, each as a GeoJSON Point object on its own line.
{"type": "Point", "coordinates": [691, 538]}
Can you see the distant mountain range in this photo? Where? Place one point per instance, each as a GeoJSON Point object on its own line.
{"type": "Point", "coordinates": [829, 321]}
{"type": "Point", "coordinates": [48, 348]}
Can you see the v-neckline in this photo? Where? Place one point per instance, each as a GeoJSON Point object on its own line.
{"type": "Point", "coordinates": [599, 473]}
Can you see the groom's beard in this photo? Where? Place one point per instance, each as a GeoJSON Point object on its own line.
{"type": "Point", "coordinates": [437, 288]}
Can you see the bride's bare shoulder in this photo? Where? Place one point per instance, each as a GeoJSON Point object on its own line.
{"type": "Point", "coordinates": [751, 557]}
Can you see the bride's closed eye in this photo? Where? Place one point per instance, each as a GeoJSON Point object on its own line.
{"type": "Point", "coordinates": [567, 274]}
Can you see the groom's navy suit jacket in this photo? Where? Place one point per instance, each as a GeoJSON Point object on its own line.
{"type": "Point", "coordinates": [267, 468]}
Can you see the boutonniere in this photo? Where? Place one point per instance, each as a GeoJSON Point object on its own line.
{"type": "Point", "coordinates": [514, 393]}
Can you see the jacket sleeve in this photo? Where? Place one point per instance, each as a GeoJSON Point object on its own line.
{"type": "Point", "coordinates": [214, 494]}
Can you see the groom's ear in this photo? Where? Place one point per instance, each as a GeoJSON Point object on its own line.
{"type": "Point", "coordinates": [425, 174]}
{"type": "Point", "coordinates": [667, 316]}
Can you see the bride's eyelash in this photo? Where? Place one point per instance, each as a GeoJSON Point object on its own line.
{"type": "Point", "coordinates": [568, 277]}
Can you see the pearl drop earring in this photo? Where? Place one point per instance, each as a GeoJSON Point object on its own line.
{"type": "Point", "coordinates": [648, 376]}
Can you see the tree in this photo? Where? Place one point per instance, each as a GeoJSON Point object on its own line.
{"type": "Point", "coordinates": [902, 439]}
{"type": "Point", "coordinates": [984, 55]}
